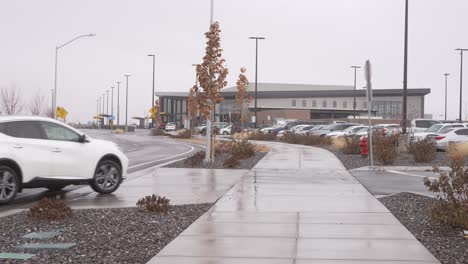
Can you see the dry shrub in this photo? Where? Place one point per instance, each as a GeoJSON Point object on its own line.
{"type": "Point", "coordinates": [262, 136]}
{"type": "Point", "coordinates": [458, 150]}
{"type": "Point", "coordinates": [223, 146]}
{"type": "Point", "coordinates": [157, 132]}
{"type": "Point", "coordinates": [242, 149]}
{"type": "Point", "coordinates": [451, 202]}
{"type": "Point", "coordinates": [310, 140]}
{"type": "Point", "coordinates": [119, 131]}
{"type": "Point", "coordinates": [351, 145]}
{"type": "Point", "coordinates": [154, 203]}
{"type": "Point", "coordinates": [242, 135]}
{"type": "Point", "coordinates": [385, 148]}
{"type": "Point", "coordinates": [182, 133]}
{"type": "Point", "coordinates": [196, 160]}
{"type": "Point", "coordinates": [47, 209]}
{"type": "Point", "coordinates": [261, 148]}
{"type": "Point", "coordinates": [231, 163]}
{"type": "Point", "coordinates": [423, 150]}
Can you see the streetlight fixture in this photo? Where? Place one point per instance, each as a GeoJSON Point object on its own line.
{"type": "Point", "coordinates": [152, 95]}
{"type": "Point", "coordinates": [461, 81]}
{"type": "Point", "coordinates": [446, 76]}
{"type": "Point", "coordinates": [54, 104]}
{"type": "Point", "coordinates": [256, 68]}
{"type": "Point", "coordinates": [112, 100]}
{"type": "Point", "coordinates": [354, 93]}
{"type": "Point", "coordinates": [118, 103]}
{"type": "Point", "coordinates": [126, 102]}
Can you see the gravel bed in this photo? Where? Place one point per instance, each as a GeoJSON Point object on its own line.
{"type": "Point", "coordinates": [352, 161]}
{"type": "Point", "coordinates": [124, 235]}
{"type": "Point", "coordinates": [219, 160]}
{"type": "Point", "coordinates": [445, 243]}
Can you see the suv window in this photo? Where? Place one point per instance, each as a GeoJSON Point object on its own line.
{"type": "Point", "coordinates": [24, 129]}
{"type": "Point", "coordinates": [463, 132]}
{"type": "Point", "coordinates": [58, 132]}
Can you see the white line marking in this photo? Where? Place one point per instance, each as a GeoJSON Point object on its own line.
{"type": "Point", "coordinates": [149, 162]}
{"type": "Point", "coordinates": [411, 175]}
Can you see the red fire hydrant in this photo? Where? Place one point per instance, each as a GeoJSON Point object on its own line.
{"type": "Point", "coordinates": [364, 147]}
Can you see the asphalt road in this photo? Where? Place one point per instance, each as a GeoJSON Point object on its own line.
{"type": "Point", "coordinates": [389, 182]}
{"type": "Point", "coordinates": [142, 150]}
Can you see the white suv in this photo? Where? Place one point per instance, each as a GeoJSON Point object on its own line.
{"type": "Point", "coordinates": [42, 152]}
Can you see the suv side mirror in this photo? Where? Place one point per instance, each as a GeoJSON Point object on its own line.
{"type": "Point", "coordinates": [82, 139]}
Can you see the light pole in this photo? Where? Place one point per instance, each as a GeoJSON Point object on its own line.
{"type": "Point", "coordinates": [461, 81]}
{"type": "Point", "coordinates": [354, 93]}
{"type": "Point", "coordinates": [103, 108]}
{"type": "Point", "coordinates": [97, 112]}
{"type": "Point", "coordinates": [152, 95]}
{"type": "Point", "coordinates": [107, 100]}
{"type": "Point", "coordinates": [54, 103]}
{"type": "Point", "coordinates": [446, 76]}
{"type": "Point", "coordinates": [118, 103]}
{"type": "Point", "coordinates": [405, 72]}
{"type": "Point", "coordinates": [256, 67]}
{"type": "Point", "coordinates": [126, 102]}
{"type": "Point", "coordinates": [112, 100]}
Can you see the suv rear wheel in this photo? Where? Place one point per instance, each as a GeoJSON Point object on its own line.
{"type": "Point", "coordinates": [107, 177]}
{"type": "Point", "coordinates": [8, 184]}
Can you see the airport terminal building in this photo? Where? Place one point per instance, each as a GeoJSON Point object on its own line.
{"type": "Point", "coordinates": [277, 101]}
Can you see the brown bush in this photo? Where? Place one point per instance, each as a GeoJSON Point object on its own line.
{"type": "Point", "coordinates": [157, 132]}
{"type": "Point", "coordinates": [262, 136]}
{"type": "Point", "coordinates": [351, 145]}
{"type": "Point", "coordinates": [385, 148]}
{"type": "Point", "coordinates": [183, 133]}
{"type": "Point", "coordinates": [154, 203]}
{"type": "Point", "coordinates": [232, 163]}
{"type": "Point", "coordinates": [196, 160]}
{"type": "Point", "coordinates": [423, 150]}
{"type": "Point", "coordinates": [242, 149]}
{"type": "Point", "coordinates": [223, 146]}
{"type": "Point", "coordinates": [451, 202]}
{"type": "Point", "coordinates": [310, 140]}
{"type": "Point", "coordinates": [47, 209]}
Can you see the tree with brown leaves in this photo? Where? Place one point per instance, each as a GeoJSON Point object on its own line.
{"type": "Point", "coordinates": [10, 100]}
{"type": "Point", "coordinates": [212, 78]}
{"type": "Point", "coordinates": [243, 99]}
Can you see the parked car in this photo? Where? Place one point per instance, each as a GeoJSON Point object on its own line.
{"type": "Point", "coordinates": [170, 126]}
{"type": "Point", "coordinates": [37, 152]}
{"type": "Point", "coordinates": [333, 127]}
{"type": "Point", "coordinates": [386, 129]}
{"type": "Point", "coordinates": [200, 129]}
{"type": "Point", "coordinates": [363, 132]}
{"type": "Point", "coordinates": [436, 130]}
{"type": "Point", "coordinates": [459, 135]}
{"type": "Point", "coordinates": [225, 130]}
{"type": "Point", "coordinates": [237, 127]}
{"type": "Point", "coordinates": [310, 130]}
{"type": "Point", "coordinates": [350, 131]}
{"type": "Point", "coordinates": [295, 129]}
{"type": "Point", "coordinates": [420, 125]}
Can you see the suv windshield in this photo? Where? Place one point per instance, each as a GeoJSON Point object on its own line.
{"type": "Point", "coordinates": [434, 128]}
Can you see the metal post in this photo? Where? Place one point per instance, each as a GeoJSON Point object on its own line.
{"type": "Point", "coordinates": [461, 81]}
{"type": "Point", "coordinates": [126, 102]}
{"type": "Point", "coordinates": [107, 105]}
{"type": "Point", "coordinates": [152, 95]}
{"type": "Point", "coordinates": [354, 93]}
{"type": "Point", "coordinates": [118, 103]}
{"type": "Point", "coordinates": [256, 76]}
{"type": "Point", "coordinates": [405, 72]}
{"type": "Point", "coordinates": [54, 97]}
{"type": "Point", "coordinates": [446, 76]}
{"type": "Point", "coordinates": [104, 104]}
{"type": "Point", "coordinates": [112, 101]}
{"type": "Point", "coordinates": [208, 121]}
{"type": "Point", "coordinates": [97, 112]}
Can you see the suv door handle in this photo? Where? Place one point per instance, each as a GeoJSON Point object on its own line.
{"type": "Point", "coordinates": [57, 150]}
{"type": "Point", "coordinates": [17, 146]}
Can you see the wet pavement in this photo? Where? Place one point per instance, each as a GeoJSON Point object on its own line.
{"type": "Point", "coordinates": [298, 205]}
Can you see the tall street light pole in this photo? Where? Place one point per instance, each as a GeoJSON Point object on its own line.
{"type": "Point", "coordinates": [112, 100]}
{"type": "Point", "coordinates": [152, 95]}
{"type": "Point", "coordinates": [405, 73]}
{"type": "Point", "coordinates": [256, 71]}
{"type": "Point", "coordinates": [107, 105]}
{"type": "Point", "coordinates": [461, 81]}
{"type": "Point", "coordinates": [446, 77]}
{"type": "Point", "coordinates": [126, 102]}
{"type": "Point", "coordinates": [118, 103]}
{"type": "Point", "coordinates": [354, 93]}
{"type": "Point", "coordinates": [103, 104]}
{"type": "Point", "coordinates": [97, 111]}
{"type": "Point", "coordinates": [54, 103]}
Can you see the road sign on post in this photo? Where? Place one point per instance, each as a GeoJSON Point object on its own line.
{"type": "Point", "coordinates": [368, 72]}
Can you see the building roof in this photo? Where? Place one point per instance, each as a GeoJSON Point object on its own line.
{"type": "Point", "coordinates": [279, 90]}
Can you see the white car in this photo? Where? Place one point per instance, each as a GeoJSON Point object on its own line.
{"type": "Point", "coordinates": [435, 130]}
{"type": "Point", "coordinates": [38, 152]}
{"type": "Point", "coordinates": [347, 132]}
{"type": "Point", "coordinates": [170, 126]}
{"type": "Point", "coordinates": [420, 125]}
{"type": "Point", "coordinates": [459, 135]}
{"type": "Point", "coordinates": [225, 130]}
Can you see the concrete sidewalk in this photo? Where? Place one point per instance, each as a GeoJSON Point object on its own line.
{"type": "Point", "coordinates": [299, 205]}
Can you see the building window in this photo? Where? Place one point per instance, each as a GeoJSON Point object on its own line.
{"type": "Point", "coordinates": [345, 104]}
{"type": "Point", "coordinates": [364, 105]}
{"type": "Point", "coordinates": [293, 102]}
{"type": "Point", "coordinates": [324, 103]}
{"type": "Point", "coordinates": [334, 104]}
{"type": "Point", "coordinates": [304, 103]}
{"type": "Point", "coordinates": [314, 103]}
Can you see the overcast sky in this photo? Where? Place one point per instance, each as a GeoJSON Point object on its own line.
{"type": "Point", "coordinates": [307, 42]}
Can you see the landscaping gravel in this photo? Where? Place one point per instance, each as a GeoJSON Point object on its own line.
{"type": "Point", "coordinates": [353, 161]}
{"type": "Point", "coordinates": [124, 235]}
{"type": "Point", "coordinates": [445, 243]}
{"type": "Point", "coordinates": [219, 160]}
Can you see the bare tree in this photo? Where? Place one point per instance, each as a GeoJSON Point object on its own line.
{"type": "Point", "coordinates": [10, 100]}
{"type": "Point", "coordinates": [242, 97]}
{"type": "Point", "coordinates": [211, 76]}
{"type": "Point", "coordinates": [37, 104]}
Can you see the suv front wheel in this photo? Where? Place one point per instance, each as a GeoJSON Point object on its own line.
{"type": "Point", "coordinates": [107, 177]}
{"type": "Point", "coordinates": [8, 184]}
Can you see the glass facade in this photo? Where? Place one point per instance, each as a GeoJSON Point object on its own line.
{"type": "Point", "coordinates": [387, 109]}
